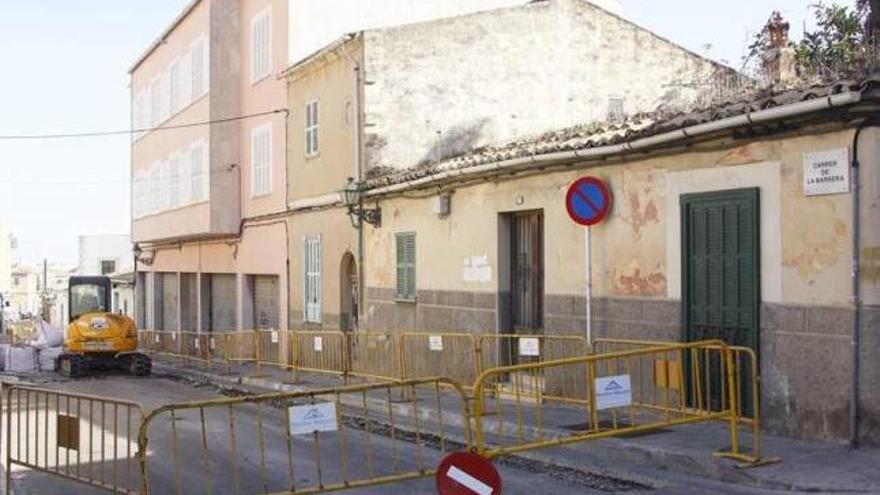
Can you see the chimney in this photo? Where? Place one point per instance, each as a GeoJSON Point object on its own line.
{"type": "Point", "coordinates": [778, 60]}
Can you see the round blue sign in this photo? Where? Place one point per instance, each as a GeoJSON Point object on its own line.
{"type": "Point", "coordinates": [588, 201]}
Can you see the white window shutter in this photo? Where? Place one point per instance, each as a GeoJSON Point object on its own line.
{"type": "Point", "coordinates": [186, 96]}
{"type": "Point", "coordinates": [174, 86]}
{"type": "Point", "coordinates": [312, 279]}
{"type": "Point", "coordinates": [185, 179]}
{"type": "Point", "coordinates": [206, 170]}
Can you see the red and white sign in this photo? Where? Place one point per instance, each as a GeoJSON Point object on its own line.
{"type": "Point", "coordinates": [466, 473]}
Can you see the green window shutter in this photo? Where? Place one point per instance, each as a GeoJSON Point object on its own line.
{"type": "Point", "coordinates": [406, 265]}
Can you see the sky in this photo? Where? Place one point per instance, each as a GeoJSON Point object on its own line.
{"type": "Point", "coordinates": [65, 69]}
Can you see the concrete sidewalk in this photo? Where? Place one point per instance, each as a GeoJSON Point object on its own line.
{"type": "Point", "coordinates": [655, 459]}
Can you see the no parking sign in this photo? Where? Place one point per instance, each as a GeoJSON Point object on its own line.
{"type": "Point", "coordinates": [588, 201]}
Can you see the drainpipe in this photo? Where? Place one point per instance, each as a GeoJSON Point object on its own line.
{"type": "Point", "coordinates": [356, 113]}
{"type": "Point", "coordinates": [856, 289]}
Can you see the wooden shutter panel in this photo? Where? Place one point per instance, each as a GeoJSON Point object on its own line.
{"type": "Point", "coordinates": [406, 261]}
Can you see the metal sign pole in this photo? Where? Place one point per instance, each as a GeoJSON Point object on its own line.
{"type": "Point", "coordinates": [588, 248]}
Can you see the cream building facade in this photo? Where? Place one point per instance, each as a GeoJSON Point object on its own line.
{"type": "Point", "coordinates": [716, 229]}
{"type": "Point", "coordinates": [386, 99]}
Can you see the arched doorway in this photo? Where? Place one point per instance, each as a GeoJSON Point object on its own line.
{"type": "Point", "coordinates": [348, 293]}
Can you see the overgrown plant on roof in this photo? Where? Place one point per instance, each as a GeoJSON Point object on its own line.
{"type": "Point", "coordinates": [841, 45]}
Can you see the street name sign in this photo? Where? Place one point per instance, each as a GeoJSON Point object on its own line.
{"type": "Point", "coordinates": [826, 172]}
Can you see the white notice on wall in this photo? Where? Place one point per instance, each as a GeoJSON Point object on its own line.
{"type": "Point", "coordinates": [613, 391]}
{"type": "Point", "coordinates": [529, 346]}
{"type": "Point", "coordinates": [213, 344]}
{"type": "Point", "coordinates": [319, 344]}
{"type": "Point", "coordinates": [435, 342]}
{"type": "Point", "coordinates": [826, 172]}
{"type": "Point", "coordinates": [477, 269]}
{"type": "Point", "coordinates": [173, 335]}
{"type": "Point", "coordinates": [274, 336]}
{"type": "Point", "coordinates": [312, 418]}
{"type": "Point", "coordinates": [196, 342]}
{"type": "Point", "coordinates": [157, 339]}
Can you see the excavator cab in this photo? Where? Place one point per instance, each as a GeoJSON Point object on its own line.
{"type": "Point", "coordinates": [97, 339]}
{"type": "Point", "coordinates": [88, 295]}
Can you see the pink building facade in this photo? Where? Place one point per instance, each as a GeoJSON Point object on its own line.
{"type": "Point", "coordinates": [208, 170]}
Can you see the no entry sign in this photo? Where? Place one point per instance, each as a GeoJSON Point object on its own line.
{"type": "Point", "coordinates": [588, 201]}
{"type": "Point", "coordinates": [466, 473]}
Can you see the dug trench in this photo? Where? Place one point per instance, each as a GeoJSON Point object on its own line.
{"type": "Point", "coordinates": [452, 442]}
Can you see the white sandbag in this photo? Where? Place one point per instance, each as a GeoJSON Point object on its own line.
{"type": "Point", "coordinates": [46, 358]}
{"type": "Point", "coordinates": [21, 359]}
{"type": "Point", "coordinates": [47, 336]}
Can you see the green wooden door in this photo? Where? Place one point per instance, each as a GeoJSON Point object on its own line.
{"type": "Point", "coordinates": [721, 272]}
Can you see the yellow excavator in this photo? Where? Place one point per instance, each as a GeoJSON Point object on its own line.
{"type": "Point", "coordinates": [97, 339]}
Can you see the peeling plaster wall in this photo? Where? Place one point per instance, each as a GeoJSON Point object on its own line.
{"type": "Point", "coordinates": [806, 316]}
{"type": "Point", "coordinates": [805, 240]}
{"type": "Point", "coordinates": [440, 88]}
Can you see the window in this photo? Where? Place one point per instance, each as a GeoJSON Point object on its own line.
{"type": "Point", "coordinates": [406, 265]}
{"type": "Point", "coordinates": [108, 266]}
{"type": "Point", "coordinates": [155, 189]}
{"type": "Point", "coordinates": [312, 128]}
{"type": "Point", "coordinates": [198, 163]}
{"type": "Point", "coordinates": [173, 181]}
{"type": "Point", "coordinates": [87, 299]}
{"type": "Point", "coordinates": [261, 160]}
{"type": "Point", "coordinates": [164, 178]}
{"type": "Point", "coordinates": [175, 95]}
{"type": "Point", "coordinates": [184, 177]}
{"type": "Point", "coordinates": [261, 54]}
{"type": "Point", "coordinates": [198, 55]}
{"type": "Point", "coordinates": [155, 93]}
{"type": "Point", "coordinates": [312, 279]}
{"type": "Point", "coordinates": [137, 195]}
{"type": "Point", "coordinates": [615, 109]}
{"type": "Point", "coordinates": [141, 112]}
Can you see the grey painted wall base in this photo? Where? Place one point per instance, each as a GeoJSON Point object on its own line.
{"type": "Point", "coordinates": [805, 352]}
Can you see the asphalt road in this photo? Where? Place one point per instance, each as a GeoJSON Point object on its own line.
{"type": "Point", "coordinates": [202, 461]}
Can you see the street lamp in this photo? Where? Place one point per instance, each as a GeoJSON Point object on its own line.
{"type": "Point", "coordinates": [353, 195]}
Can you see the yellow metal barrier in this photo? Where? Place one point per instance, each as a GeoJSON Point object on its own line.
{"type": "Point", "coordinates": [319, 352]}
{"type": "Point", "coordinates": [273, 349]}
{"type": "Point", "coordinates": [374, 355]}
{"type": "Point", "coordinates": [82, 438]}
{"type": "Point", "coordinates": [559, 384]}
{"type": "Point", "coordinates": [308, 442]}
{"type": "Point", "coordinates": [746, 378]}
{"type": "Point", "coordinates": [147, 341]}
{"type": "Point", "coordinates": [452, 355]}
{"type": "Point", "coordinates": [236, 347]}
{"type": "Point", "coordinates": [620, 393]}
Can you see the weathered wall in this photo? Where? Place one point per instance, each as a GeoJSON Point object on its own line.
{"type": "Point", "coordinates": [443, 87]}
{"type": "Point", "coordinates": [337, 238]}
{"type": "Point", "coordinates": [225, 147]}
{"type": "Point", "coordinates": [805, 242]}
{"type": "Point", "coordinates": [330, 81]}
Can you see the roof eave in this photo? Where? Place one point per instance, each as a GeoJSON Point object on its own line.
{"type": "Point", "coordinates": [162, 37]}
